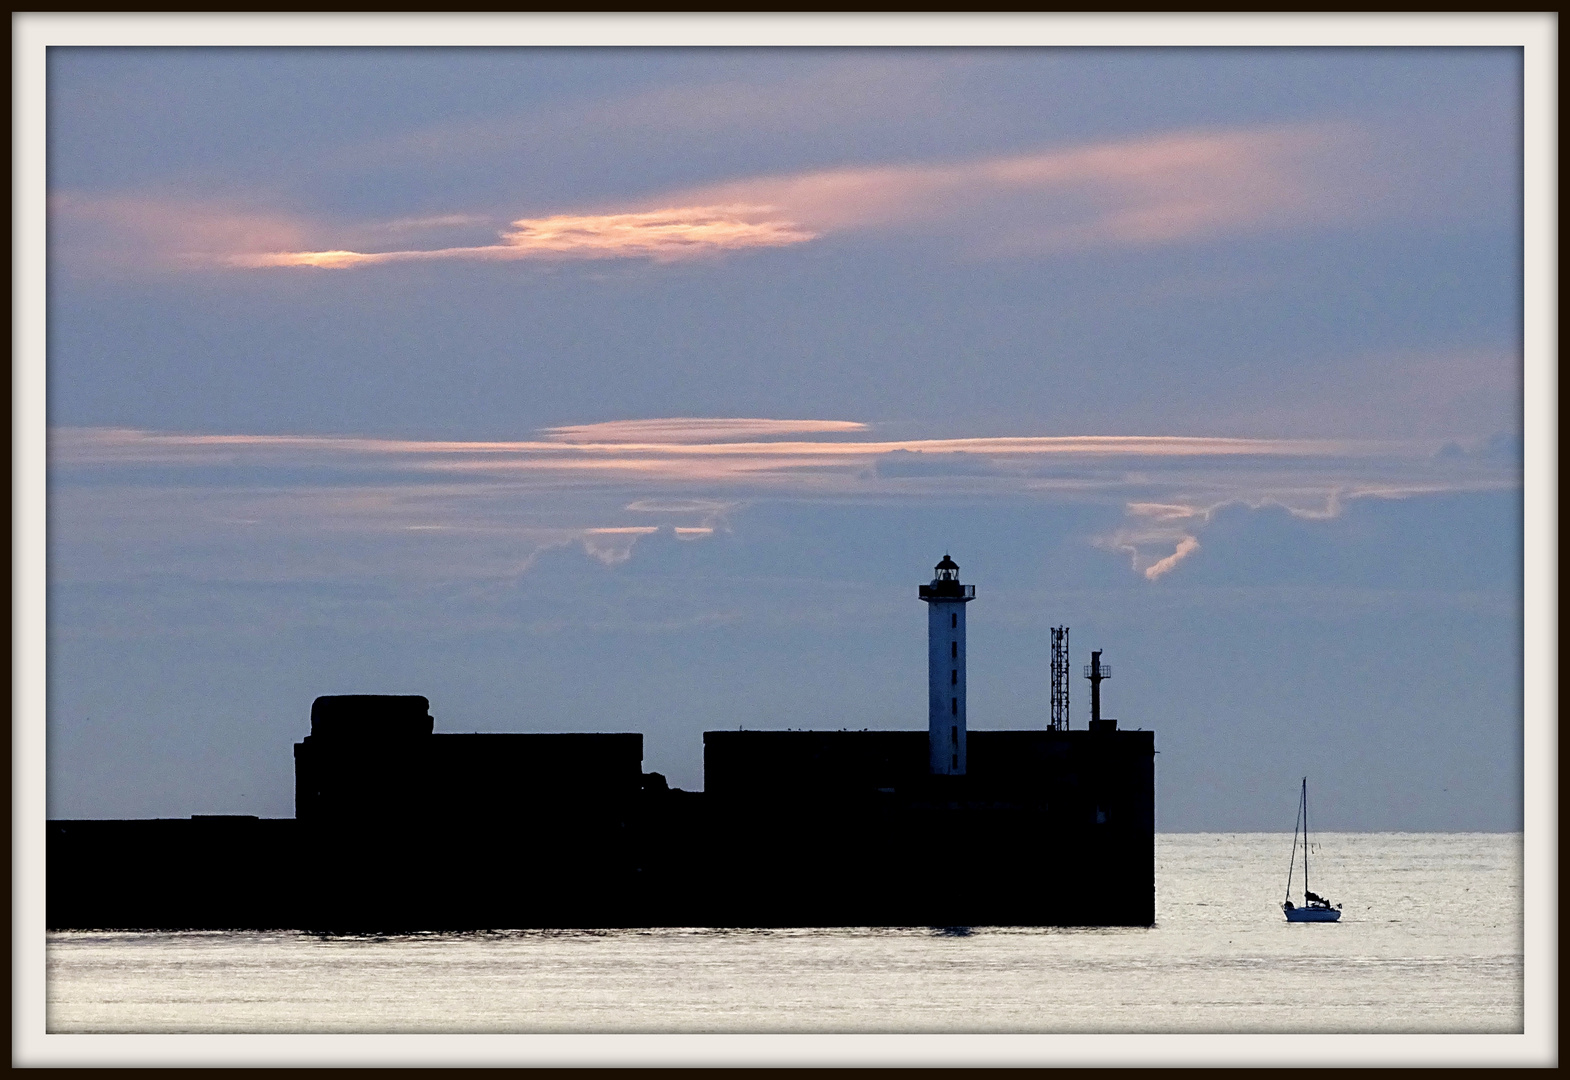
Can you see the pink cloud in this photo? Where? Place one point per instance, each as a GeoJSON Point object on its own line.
{"type": "Point", "coordinates": [134, 232]}
{"type": "Point", "coordinates": [656, 443]}
{"type": "Point", "coordinates": [648, 451]}
{"type": "Point", "coordinates": [683, 429]}
{"type": "Point", "coordinates": [1151, 190]}
{"type": "Point", "coordinates": [1148, 190]}
{"type": "Point", "coordinates": [146, 232]}
{"type": "Point", "coordinates": [1171, 487]}
{"type": "Point", "coordinates": [662, 235]}
{"type": "Point", "coordinates": [1186, 547]}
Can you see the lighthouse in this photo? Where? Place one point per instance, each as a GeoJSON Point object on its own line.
{"type": "Point", "coordinates": [946, 599]}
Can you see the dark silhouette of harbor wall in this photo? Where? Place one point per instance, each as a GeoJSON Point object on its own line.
{"type": "Point", "coordinates": [850, 828]}
{"type": "Point", "coordinates": [404, 827]}
{"type": "Point", "coordinates": [201, 873]}
{"type": "Point", "coordinates": [400, 828]}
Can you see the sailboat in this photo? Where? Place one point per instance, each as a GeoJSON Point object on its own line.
{"type": "Point", "coordinates": [1315, 908]}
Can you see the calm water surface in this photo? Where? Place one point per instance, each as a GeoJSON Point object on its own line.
{"type": "Point", "coordinates": [1430, 941]}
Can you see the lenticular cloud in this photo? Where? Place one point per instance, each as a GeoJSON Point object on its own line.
{"type": "Point", "coordinates": [696, 429]}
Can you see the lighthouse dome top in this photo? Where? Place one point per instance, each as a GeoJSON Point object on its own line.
{"type": "Point", "coordinates": [945, 583]}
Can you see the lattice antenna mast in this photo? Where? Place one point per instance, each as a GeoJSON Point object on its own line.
{"type": "Point", "coordinates": [1060, 679]}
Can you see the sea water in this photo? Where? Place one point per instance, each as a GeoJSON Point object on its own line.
{"type": "Point", "coordinates": [1430, 940]}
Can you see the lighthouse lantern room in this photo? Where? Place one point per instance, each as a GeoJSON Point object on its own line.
{"type": "Point", "coordinates": [946, 599]}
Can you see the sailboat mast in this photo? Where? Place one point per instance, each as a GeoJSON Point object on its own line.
{"type": "Point", "coordinates": [1292, 862]}
{"type": "Point", "coordinates": [1305, 839]}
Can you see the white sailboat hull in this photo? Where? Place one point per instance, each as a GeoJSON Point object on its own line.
{"type": "Point", "coordinates": [1312, 914]}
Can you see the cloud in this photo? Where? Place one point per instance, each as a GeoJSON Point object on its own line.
{"type": "Point", "coordinates": [1164, 511]}
{"type": "Point", "coordinates": [1169, 487]}
{"type": "Point", "coordinates": [649, 452]}
{"type": "Point", "coordinates": [1153, 190]}
{"type": "Point", "coordinates": [662, 235]}
{"type": "Point", "coordinates": [614, 545]}
{"type": "Point", "coordinates": [685, 429]}
{"type": "Point", "coordinates": [140, 232]}
{"type": "Point", "coordinates": [679, 506]}
{"type": "Point", "coordinates": [168, 234]}
{"type": "Point", "coordinates": [712, 514]}
{"type": "Point", "coordinates": [294, 529]}
{"type": "Point", "coordinates": [1186, 547]}
{"type": "Point", "coordinates": [1136, 542]}
{"type": "Point", "coordinates": [920, 463]}
{"type": "Point", "coordinates": [165, 233]}
{"type": "Point", "coordinates": [1162, 524]}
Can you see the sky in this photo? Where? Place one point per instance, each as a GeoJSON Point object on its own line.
{"type": "Point", "coordinates": [639, 389]}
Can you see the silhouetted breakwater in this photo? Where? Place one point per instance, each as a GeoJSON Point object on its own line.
{"type": "Point", "coordinates": [399, 828]}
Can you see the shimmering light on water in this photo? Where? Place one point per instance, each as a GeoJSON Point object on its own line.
{"type": "Point", "coordinates": [1430, 941]}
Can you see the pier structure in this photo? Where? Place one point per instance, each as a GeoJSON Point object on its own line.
{"type": "Point", "coordinates": [399, 827]}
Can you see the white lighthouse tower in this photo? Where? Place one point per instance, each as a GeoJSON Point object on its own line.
{"type": "Point", "coordinates": [946, 599]}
